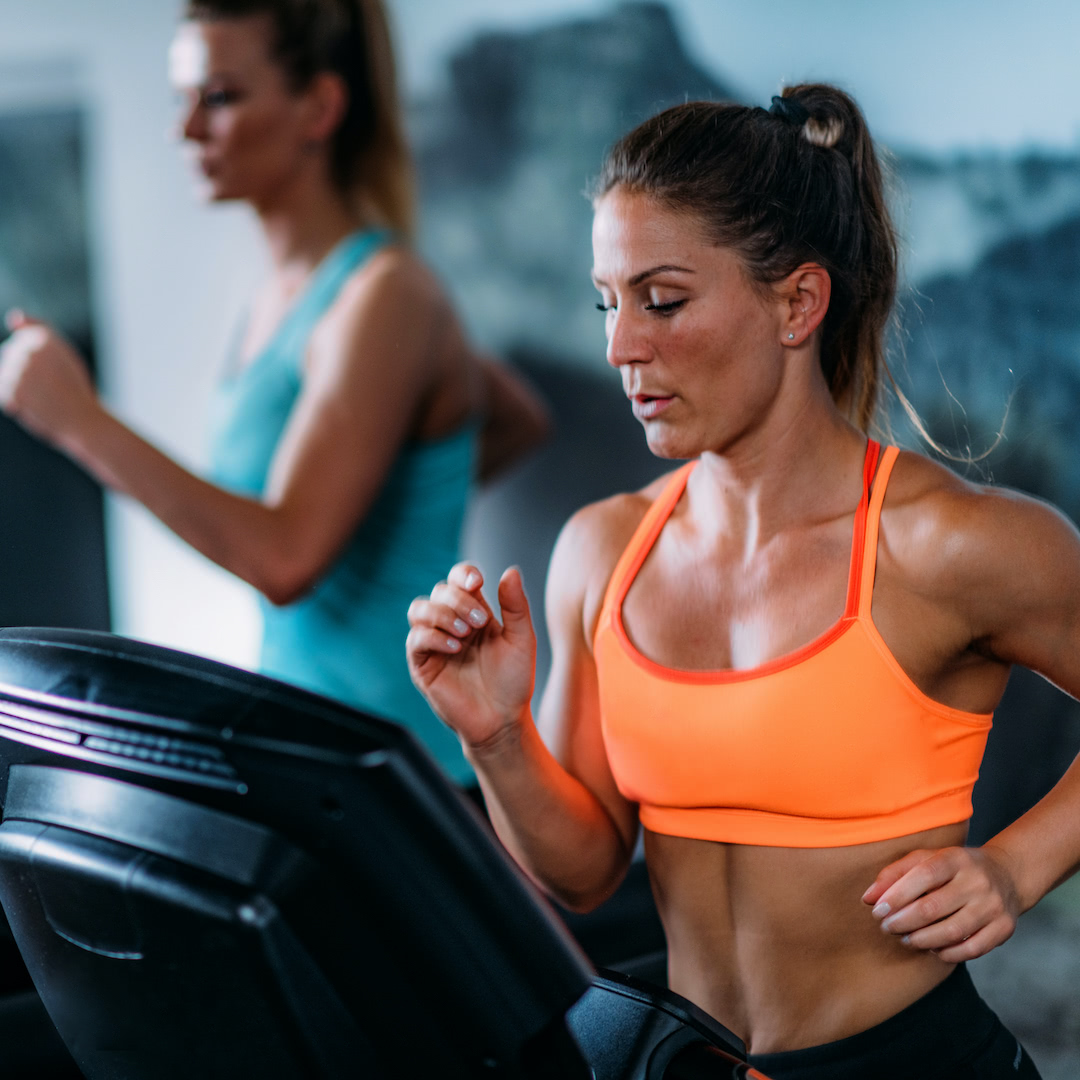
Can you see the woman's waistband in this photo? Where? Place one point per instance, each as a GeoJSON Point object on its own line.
{"type": "Point", "coordinates": [932, 1035]}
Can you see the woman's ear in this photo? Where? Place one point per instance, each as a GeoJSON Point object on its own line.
{"type": "Point", "coordinates": [327, 101]}
{"type": "Point", "coordinates": [804, 296]}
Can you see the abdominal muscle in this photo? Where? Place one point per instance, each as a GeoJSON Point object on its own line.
{"type": "Point", "coordinates": [777, 944]}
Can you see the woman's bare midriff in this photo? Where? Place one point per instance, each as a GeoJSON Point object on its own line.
{"type": "Point", "coordinates": [777, 944]}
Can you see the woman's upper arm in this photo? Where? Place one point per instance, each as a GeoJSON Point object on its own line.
{"type": "Point", "coordinates": [368, 368]}
{"type": "Point", "coordinates": [1027, 598]}
{"type": "Point", "coordinates": [569, 718]}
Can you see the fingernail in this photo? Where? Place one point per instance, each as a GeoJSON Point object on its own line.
{"type": "Point", "coordinates": [906, 939]}
{"type": "Point", "coordinates": [453, 643]}
{"type": "Point", "coordinates": [461, 626]}
{"type": "Point", "coordinates": [881, 910]}
{"type": "Point", "coordinates": [471, 581]}
{"type": "Point", "coordinates": [887, 924]}
{"type": "Point", "coordinates": [477, 617]}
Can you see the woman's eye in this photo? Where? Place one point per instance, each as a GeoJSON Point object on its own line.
{"type": "Point", "coordinates": [666, 309]}
{"type": "Point", "coordinates": [216, 99]}
{"type": "Point", "coordinates": [604, 307]}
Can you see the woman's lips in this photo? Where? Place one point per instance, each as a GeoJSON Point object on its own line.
{"type": "Point", "coordinates": [647, 407]}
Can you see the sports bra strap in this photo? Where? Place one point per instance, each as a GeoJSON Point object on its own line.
{"type": "Point", "coordinates": [641, 543]}
{"type": "Point", "coordinates": [858, 532]}
{"type": "Point", "coordinates": [863, 546]}
{"type": "Point", "coordinates": [873, 520]}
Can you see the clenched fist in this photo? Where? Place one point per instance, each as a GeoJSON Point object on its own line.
{"type": "Point", "coordinates": [44, 383]}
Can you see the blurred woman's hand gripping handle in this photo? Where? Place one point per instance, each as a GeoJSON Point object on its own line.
{"type": "Point", "coordinates": [44, 383]}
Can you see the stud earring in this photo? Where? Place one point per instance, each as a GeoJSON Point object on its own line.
{"type": "Point", "coordinates": [791, 337]}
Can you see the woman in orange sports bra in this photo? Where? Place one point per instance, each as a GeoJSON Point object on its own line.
{"type": "Point", "coordinates": [779, 661]}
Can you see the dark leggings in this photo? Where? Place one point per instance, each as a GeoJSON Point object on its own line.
{"type": "Point", "coordinates": [950, 1034]}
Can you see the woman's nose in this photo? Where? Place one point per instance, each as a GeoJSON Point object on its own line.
{"type": "Point", "coordinates": [191, 123]}
{"type": "Point", "coordinates": [626, 340]}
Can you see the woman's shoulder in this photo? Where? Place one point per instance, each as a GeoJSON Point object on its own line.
{"type": "Point", "coordinates": [391, 304]}
{"type": "Point", "coordinates": [931, 494]}
{"type": "Point", "coordinates": [594, 538]}
{"type": "Point", "coordinates": [393, 272]}
{"type": "Point", "coordinates": [610, 523]}
{"type": "Point", "coordinates": [948, 532]}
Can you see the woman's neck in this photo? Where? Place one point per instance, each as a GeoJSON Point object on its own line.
{"type": "Point", "coordinates": [305, 222]}
{"type": "Point", "coordinates": [807, 467]}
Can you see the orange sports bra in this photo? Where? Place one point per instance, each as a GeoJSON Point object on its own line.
{"type": "Point", "coordinates": [830, 745]}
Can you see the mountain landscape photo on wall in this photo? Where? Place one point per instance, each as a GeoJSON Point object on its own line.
{"type": "Point", "coordinates": [989, 337]}
{"type": "Point", "coordinates": [992, 271]}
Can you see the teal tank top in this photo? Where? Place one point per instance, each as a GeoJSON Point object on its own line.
{"type": "Point", "coordinates": [346, 637]}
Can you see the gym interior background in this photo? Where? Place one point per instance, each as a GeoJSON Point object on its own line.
{"type": "Point", "coordinates": [510, 108]}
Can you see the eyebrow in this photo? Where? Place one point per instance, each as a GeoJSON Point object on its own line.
{"type": "Point", "coordinates": [637, 279]}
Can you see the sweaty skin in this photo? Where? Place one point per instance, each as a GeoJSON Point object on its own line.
{"type": "Point", "coordinates": [777, 942]}
{"type": "Point", "coordinates": [788, 947]}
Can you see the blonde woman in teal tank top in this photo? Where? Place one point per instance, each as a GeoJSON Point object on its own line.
{"type": "Point", "coordinates": [405, 537]}
{"type": "Point", "coordinates": [349, 428]}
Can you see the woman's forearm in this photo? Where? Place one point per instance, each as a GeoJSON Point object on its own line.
{"type": "Point", "coordinates": [554, 827]}
{"type": "Point", "coordinates": [1042, 847]}
{"type": "Point", "coordinates": [240, 534]}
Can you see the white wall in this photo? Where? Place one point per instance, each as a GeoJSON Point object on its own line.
{"type": "Point", "coordinates": [169, 279]}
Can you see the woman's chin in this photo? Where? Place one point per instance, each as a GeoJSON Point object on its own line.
{"type": "Point", "coordinates": [209, 190]}
{"type": "Point", "coordinates": [668, 445]}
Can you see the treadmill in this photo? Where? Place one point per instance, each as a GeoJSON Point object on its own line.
{"type": "Point", "coordinates": [209, 873]}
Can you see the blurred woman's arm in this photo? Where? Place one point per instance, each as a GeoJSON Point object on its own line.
{"type": "Point", "coordinates": [516, 420]}
{"type": "Point", "coordinates": [367, 371]}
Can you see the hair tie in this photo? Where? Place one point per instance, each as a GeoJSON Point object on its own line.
{"type": "Point", "coordinates": [789, 110]}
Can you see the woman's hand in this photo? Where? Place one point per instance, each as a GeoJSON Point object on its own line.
{"type": "Point", "coordinates": [476, 674]}
{"type": "Point", "coordinates": [44, 383]}
{"type": "Point", "coordinates": [958, 902]}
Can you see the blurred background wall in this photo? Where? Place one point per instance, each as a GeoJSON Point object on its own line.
{"type": "Point", "coordinates": [166, 280]}
{"type": "Point", "coordinates": [510, 107]}
{"type": "Point", "coordinates": [51, 528]}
